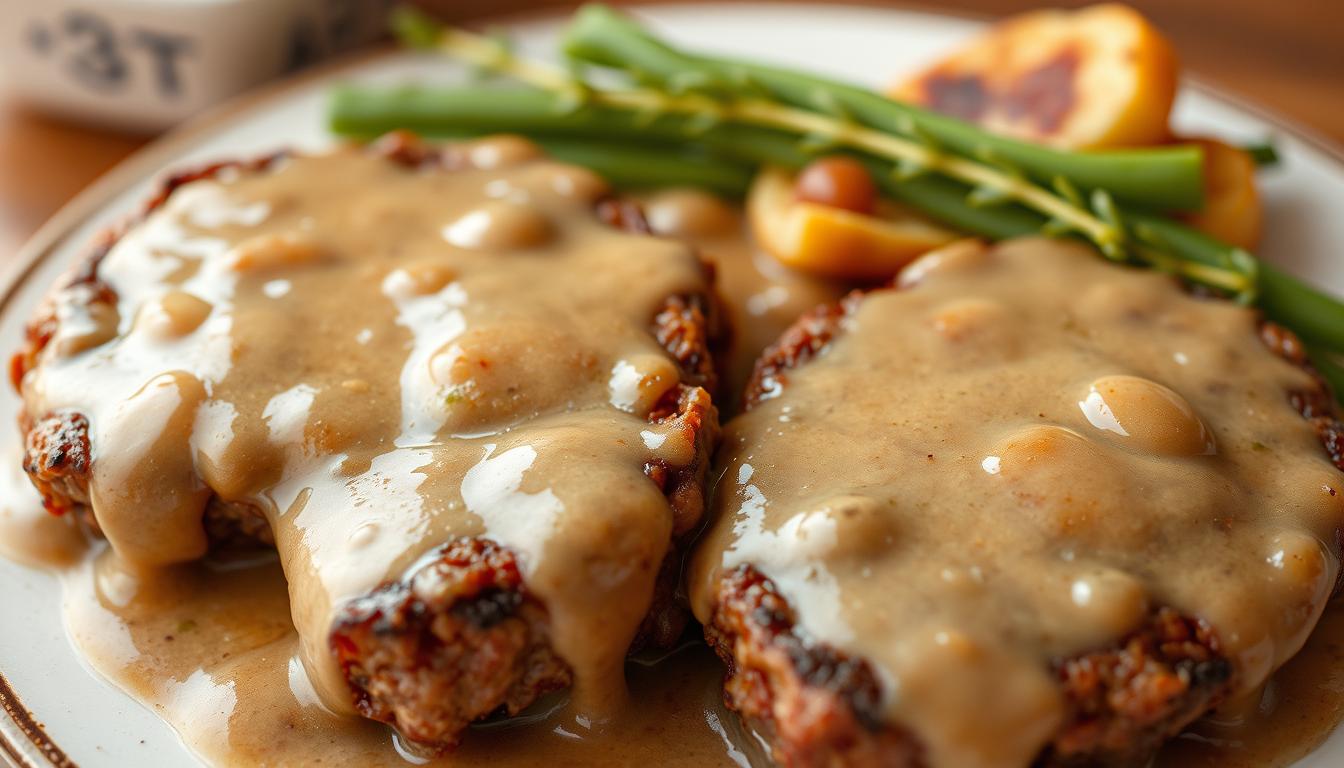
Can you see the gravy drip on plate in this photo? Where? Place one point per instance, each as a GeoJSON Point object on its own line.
{"type": "Point", "coordinates": [382, 358]}
{"type": "Point", "coordinates": [1014, 460]}
{"type": "Point", "coordinates": [209, 646]}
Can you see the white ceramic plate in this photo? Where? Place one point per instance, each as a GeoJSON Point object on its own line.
{"type": "Point", "coordinates": [84, 720]}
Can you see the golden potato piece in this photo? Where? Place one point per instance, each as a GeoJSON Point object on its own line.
{"type": "Point", "coordinates": [833, 242]}
{"type": "Point", "coordinates": [1231, 210]}
{"type": "Point", "coordinates": [1101, 76]}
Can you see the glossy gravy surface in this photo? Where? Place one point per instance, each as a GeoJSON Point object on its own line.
{"type": "Point", "coordinates": [381, 358]}
{"type": "Point", "coordinates": [232, 682]}
{"type": "Point", "coordinates": [209, 647]}
{"type": "Point", "coordinates": [214, 654]}
{"type": "Point", "coordinates": [1016, 459]}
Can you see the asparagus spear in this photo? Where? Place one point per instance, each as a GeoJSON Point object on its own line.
{"type": "Point", "coordinates": [1316, 317]}
{"type": "Point", "coordinates": [1162, 178]}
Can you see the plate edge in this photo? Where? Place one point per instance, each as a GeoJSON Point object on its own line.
{"type": "Point", "coordinates": [30, 729]}
{"type": "Point", "coordinates": [146, 161]}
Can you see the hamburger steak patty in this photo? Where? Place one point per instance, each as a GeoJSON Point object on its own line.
{"type": "Point", "coordinates": [817, 706]}
{"type": "Point", "coordinates": [459, 637]}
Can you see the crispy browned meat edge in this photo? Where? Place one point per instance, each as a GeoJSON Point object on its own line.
{"type": "Point", "coordinates": [57, 454]}
{"type": "Point", "coordinates": [460, 638]}
{"type": "Point", "coordinates": [805, 339]}
{"type": "Point", "coordinates": [817, 707]}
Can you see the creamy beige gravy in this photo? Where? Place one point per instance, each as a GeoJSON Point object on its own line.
{"type": "Point", "coordinates": [210, 647]}
{"type": "Point", "coordinates": [1014, 460]}
{"type": "Point", "coordinates": [381, 358]}
{"type": "Point", "coordinates": [231, 681]}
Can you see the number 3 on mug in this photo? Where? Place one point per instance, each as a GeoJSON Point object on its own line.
{"type": "Point", "coordinates": [147, 64]}
{"type": "Point", "coordinates": [102, 57]}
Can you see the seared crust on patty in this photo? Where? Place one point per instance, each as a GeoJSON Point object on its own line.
{"type": "Point", "coordinates": [815, 705]}
{"type": "Point", "coordinates": [689, 408]}
{"type": "Point", "coordinates": [688, 328]}
{"type": "Point", "coordinates": [801, 342]}
{"type": "Point", "coordinates": [1317, 404]}
{"type": "Point", "coordinates": [1124, 702]}
{"type": "Point", "coordinates": [820, 707]}
{"type": "Point", "coordinates": [460, 638]}
{"type": "Point", "coordinates": [57, 458]}
{"type": "Point", "coordinates": [456, 641]}
{"type": "Point", "coordinates": [57, 453]}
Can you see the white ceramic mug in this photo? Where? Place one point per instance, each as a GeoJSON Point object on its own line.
{"type": "Point", "coordinates": [147, 64]}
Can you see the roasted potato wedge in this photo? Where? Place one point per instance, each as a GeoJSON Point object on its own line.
{"type": "Point", "coordinates": [1101, 76]}
{"type": "Point", "coordinates": [833, 242]}
{"type": "Point", "coordinates": [1232, 211]}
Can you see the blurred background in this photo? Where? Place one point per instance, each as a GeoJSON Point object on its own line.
{"type": "Point", "coordinates": [69, 69]}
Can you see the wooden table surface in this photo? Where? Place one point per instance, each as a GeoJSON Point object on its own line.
{"type": "Point", "coordinates": [1285, 55]}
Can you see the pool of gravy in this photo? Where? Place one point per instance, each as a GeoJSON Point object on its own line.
{"type": "Point", "coordinates": [211, 648]}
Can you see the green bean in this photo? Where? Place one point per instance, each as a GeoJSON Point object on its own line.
{"type": "Point", "coordinates": [1331, 367]}
{"type": "Point", "coordinates": [466, 110]}
{"type": "Point", "coordinates": [624, 156]}
{"type": "Point", "coordinates": [483, 108]}
{"type": "Point", "coordinates": [1313, 315]}
{"type": "Point", "coordinates": [629, 165]}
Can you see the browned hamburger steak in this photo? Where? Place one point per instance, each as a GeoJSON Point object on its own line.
{"type": "Point", "coordinates": [461, 392]}
{"type": "Point", "coordinates": [1027, 508]}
